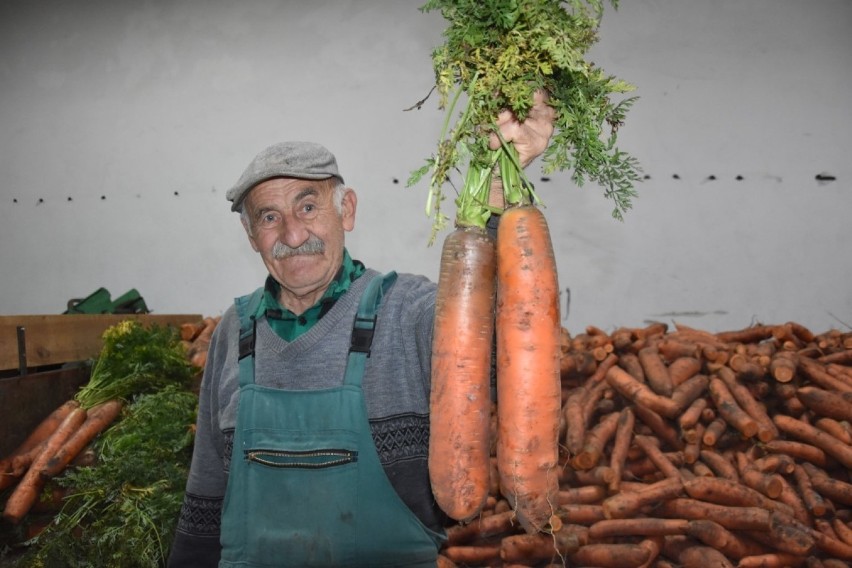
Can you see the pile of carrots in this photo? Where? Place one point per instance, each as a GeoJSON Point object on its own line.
{"type": "Point", "coordinates": [680, 447]}
{"type": "Point", "coordinates": [196, 338]}
{"type": "Point", "coordinates": [48, 450]}
{"type": "Point", "coordinates": [61, 438]}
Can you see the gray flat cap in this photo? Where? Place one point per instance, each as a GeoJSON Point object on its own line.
{"type": "Point", "coordinates": [302, 160]}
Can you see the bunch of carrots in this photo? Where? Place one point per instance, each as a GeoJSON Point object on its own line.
{"type": "Point", "coordinates": [687, 448]}
{"type": "Point", "coordinates": [509, 57]}
{"type": "Point", "coordinates": [504, 288]}
{"type": "Point", "coordinates": [134, 360]}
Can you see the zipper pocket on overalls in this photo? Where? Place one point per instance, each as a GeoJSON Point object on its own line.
{"type": "Point", "coordinates": [302, 459]}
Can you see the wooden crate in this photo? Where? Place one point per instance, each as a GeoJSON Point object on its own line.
{"type": "Point", "coordinates": [57, 339]}
{"type": "Point", "coordinates": [48, 367]}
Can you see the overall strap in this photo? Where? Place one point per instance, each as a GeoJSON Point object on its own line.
{"type": "Point", "coordinates": [246, 307]}
{"type": "Point", "coordinates": [364, 326]}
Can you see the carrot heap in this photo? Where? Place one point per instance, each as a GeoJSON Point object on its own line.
{"type": "Point", "coordinates": [133, 360]}
{"type": "Point", "coordinates": [731, 448]}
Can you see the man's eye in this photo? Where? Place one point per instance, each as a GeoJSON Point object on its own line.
{"type": "Point", "coordinates": [268, 219]}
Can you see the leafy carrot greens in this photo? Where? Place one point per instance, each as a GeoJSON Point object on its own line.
{"type": "Point", "coordinates": [498, 53]}
{"type": "Point", "coordinates": [123, 511]}
{"type": "Point", "coordinates": [135, 359]}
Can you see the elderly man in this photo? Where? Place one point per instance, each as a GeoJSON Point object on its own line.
{"type": "Point", "coordinates": [313, 424]}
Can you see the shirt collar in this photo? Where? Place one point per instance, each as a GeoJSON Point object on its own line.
{"type": "Point", "coordinates": [349, 270]}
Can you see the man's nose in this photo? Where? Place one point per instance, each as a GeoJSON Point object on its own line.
{"type": "Point", "coordinates": [294, 232]}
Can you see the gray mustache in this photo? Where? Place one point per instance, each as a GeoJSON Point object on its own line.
{"type": "Point", "coordinates": [314, 245]}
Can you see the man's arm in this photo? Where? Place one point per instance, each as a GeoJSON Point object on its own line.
{"type": "Point", "coordinates": [196, 543]}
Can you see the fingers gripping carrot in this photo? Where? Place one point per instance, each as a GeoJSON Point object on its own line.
{"type": "Point", "coordinates": [459, 442]}
{"type": "Point", "coordinates": [528, 353]}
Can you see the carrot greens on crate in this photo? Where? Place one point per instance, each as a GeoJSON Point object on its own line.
{"type": "Point", "coordinates": [498, 53]}
{"type": "Point", "coordinates": [123, 510]}
{"type": "Point", "coordinates": [135, 359]}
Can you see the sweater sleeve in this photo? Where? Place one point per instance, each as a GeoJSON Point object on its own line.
{"type": "Point", "coordinates": [196, 542]}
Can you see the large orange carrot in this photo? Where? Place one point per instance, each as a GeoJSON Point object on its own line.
{"type": "Point", "coordinates": [596, 440]}
{"type": "Point", "coordinates": [690, 554]}
{"type": "Point", "coordinates": [528, 549]}
{"type": "Point", "coordinates": [770, 484]}
{"type": "Point", "coordinates": [31, 484]}
{"type": "Point", "coordinates": [714, 431]}
{"type": "Point", "coordinates": [460, 401]}
{"type": "Point", "coordinates": [630, 363]}
{"type": "Point", "coordinates": [840, 430]}
{"type": "Point", "coordinates": [766, 430]}
{"type": "Point", "coordinates": [807, 433]}
{"type": "Point", "coordinates": [575, 426]}
{"type": "Point", "coordinates": [825, 403]}
{"type": "Point", "coordinates": [811, 498]}
{"type": "Point", "coordinates": [730, 517]}
{"type": "Point", "coordinates": [528, 380]}
{"type": "Point", "coordinates": [581, 495]}
{"type": "Point", "coordinates": [610, 555]}
{"type": "Point", "coordinates": [799, 450]}
{"type": "Point", "coordinates": [720, 464]}
{"type": "Point", "coordinates": [692, 449]}
{"type": "Point", "coordinates": [663, 429]}
{"type": "Point", "coordinates": [656, 373]}
{"type": "Point", "coordinates": [835, 489]}
{"type": "Point", "coordinates": [481, 528]}
{"type": "Point", "coordinates": [620, 446]}
{"type": "Point", "coordinates": [673, 347]}
{"type": "Point", "coordinates": [652, 450]}
{"type": "Point", "coordinates": [580, 514]}
{"type": "Point", "coordinates": [728, 408]}
{"type": "Point", "coordinates": [715, 535]}
{"type": "Point", "coordinates": [473, 555]}
{"type": "Point", "coordinates": [98, 418]}
{"type": "Point", "coordinates": [692, 414]}
{"type": "Point", "coordinates": [689, 390]}
{"type": "Point", "coordinates": [626, 504]}
{"type": "Point", "coordinates": [832, 546]}
{"type": "Point", "coordinates": [753, 334]}
{"type": "Point", "coordinates": [782, 368]}
{"type": "Point", "coordinates": [726, 492]}
{"type": "Point", "coordinates": [640, 526]}
{"type": "Point", "coordinates": [817, 374]}
{"type": "Point", "coordinates": [786, 534]}
{"type": "Point", "coordinates": [640, 393]}
{"type": "Point", "coordinates": [770, 560]}
{"type": "Point", "coordinates": [654, 546]}
{"type": "Point", "coordinates": [9, 474]}
{"type": "Point", "coordinates": [44, 429]}
{"type": "Point", "coordinates": [684, 368]}
{"type": "Point", "coordinates": [842, 530]}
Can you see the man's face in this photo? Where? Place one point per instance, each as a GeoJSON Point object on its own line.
{"type": "Point", "coordinates": [299, 233]}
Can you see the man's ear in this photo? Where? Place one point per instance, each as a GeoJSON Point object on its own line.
{"type": "Point", "coordinates": [248, 233]}
{"type": "Point", "coordinates": [350, 204]}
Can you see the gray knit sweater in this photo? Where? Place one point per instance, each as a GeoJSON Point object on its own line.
{"type": "Point", "coordinates": [396, 389]}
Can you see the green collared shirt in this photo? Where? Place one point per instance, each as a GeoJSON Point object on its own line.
{"type": "Point", "coordinates": [288, 325]}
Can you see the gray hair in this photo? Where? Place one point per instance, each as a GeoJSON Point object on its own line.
{"type": "Point", "coordinates": [337, 200]}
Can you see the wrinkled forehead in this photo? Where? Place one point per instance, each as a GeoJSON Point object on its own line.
{"type": "Point", "coordinates": [289, 190]}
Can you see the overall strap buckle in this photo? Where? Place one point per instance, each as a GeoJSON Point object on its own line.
{"type": "Point", "coordinates": [362, 335]}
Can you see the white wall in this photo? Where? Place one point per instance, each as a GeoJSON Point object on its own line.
{"type": "Point", "coordinates": [124, 123]}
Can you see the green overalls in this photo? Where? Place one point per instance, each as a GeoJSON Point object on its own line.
{"type": "Point", "coordinates": [306, 487]}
